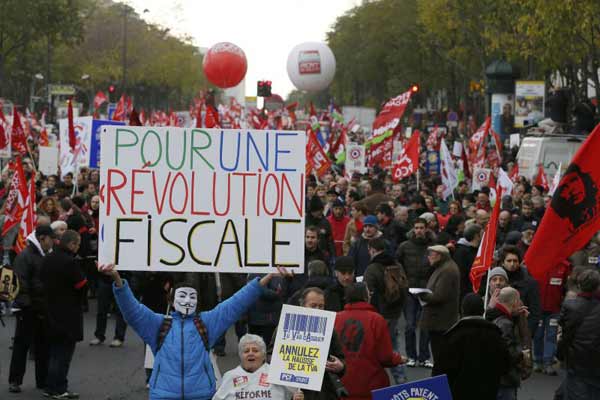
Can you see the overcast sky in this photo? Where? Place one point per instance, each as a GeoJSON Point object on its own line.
{"type": "Point", "coordinates": [265, 29]}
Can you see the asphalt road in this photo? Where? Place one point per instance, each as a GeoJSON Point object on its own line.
{"type": "Point", "coordinates": [103, 373]}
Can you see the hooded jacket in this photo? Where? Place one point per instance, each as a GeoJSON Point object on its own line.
{"type": "Point", "coordinates": [182, 366]}
{"type": "Point", "coordinates": [28, 267]}
{"type": "Point", "coordinates": [366, 341]}
{"type": "Point", "coordinates": [412, 255]}
{"type": "Point", "coordinates": [360, 252]}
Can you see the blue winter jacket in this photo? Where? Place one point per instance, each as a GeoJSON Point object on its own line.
{"type": "Point", "coordinates": [182, 367]}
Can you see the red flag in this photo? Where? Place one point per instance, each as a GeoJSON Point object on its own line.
{"type": "Point", "coordinates": [408, 162]}
{"type": "Point", "coordinates": [3, 138]}
{"type": "Point", "coordinates": [72, 138]}
{"type": "Point", "coordinates": [341, 141]}
{"type": "Point", "coordinates": [573, 215]}
{"type": "Point", "coordinates": [44, 140]}
{"type": "Point", "coordinates": [18, 139]}
{"type": "Point", "coordinates": [316, 159]}
{"type": "Point", "coordinates": [391, 113]}
{"type": "Point", "coordinates": [477, 144]}
{"type": "Point", "coordinates": [541, 179]}
{"type": "Point", "coordinates": [485, 253]}
{"type": "Point", "coordinates": [15, 202]}
{"type": "Point", "coordinates": [119, 114]}
{"type": "Point", "coordinates": [433, 139]}
{"type": "Point", "coordinates": [28, 220]}
{"type": "Point", "coordinates": [99, 100]}
{"type": "Point", "coordinates": [212, 117]}
{"type": "Point", "coordinates": [143, 118]}
{"type": "Point", "coordinates": [465, 160]}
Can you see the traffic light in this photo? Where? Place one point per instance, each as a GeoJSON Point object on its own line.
{"type": "Point", "coordinates": [414, 88]}
{"type": "Point", "coordinates": [111, 93]}
{"type": "Point", "coordinates": [263, 89]}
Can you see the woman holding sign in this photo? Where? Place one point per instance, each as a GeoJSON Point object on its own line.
{"type": "Point", "coordinates": [181, 341]}
{"type": "Point", "coordinates": [250, 379]}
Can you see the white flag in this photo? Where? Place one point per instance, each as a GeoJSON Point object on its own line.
{"type": "Point", "coordinates": [555, 181]}
{"type": "Point", "coordinates": [449, 175]}
{"type": "Point", "coordinates": [504, 182]}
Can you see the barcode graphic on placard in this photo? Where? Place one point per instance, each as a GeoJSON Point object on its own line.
{"type": "Point", "coordinates": [305, 324]}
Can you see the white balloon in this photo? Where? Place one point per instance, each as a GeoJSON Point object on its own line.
{"type": "Point", "coordinates": [311, 66]}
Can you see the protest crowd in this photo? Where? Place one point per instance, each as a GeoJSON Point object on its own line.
{"type": "Point", "coordinates": [394, 252]}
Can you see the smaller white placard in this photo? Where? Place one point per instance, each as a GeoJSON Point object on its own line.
{"type": "Point", "coordinates": [301, 347]}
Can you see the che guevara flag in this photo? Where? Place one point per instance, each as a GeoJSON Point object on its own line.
{"type": "Point", "coordinates": [573, 216]}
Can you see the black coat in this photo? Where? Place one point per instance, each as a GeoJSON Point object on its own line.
{"type": "Point", "coordinates": [464, 255]}
{"type": "Point", "coordinates": [583, 352]}
{"type": "Point", "coordinates": [335, 297]}
{"type": "Point", "coordinates": [510, 334]}
{"type": "Point", "coordinates": [374, 277]}
{"type": "Point", "coordinates": [64, 286]}
{"type": "Point", "coordinates": [28, 267]}
{"type": "Point", "coordinates": [412, 255]}
{"type": "Point", "coordinates": [474, 358]}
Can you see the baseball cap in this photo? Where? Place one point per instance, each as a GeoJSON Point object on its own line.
{"type": "Point", "coordinates": [370, 220]}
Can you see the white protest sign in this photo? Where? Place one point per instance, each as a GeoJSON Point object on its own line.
{"type": "Point", "coordinates": [301, 347]}
{"type": "Point", "coordinates": [355, 159]}
{"type": "Point", "coordinates": [202, 200]}
{"type": "Point", "coordinates": [457, 149]}
{"type": "Point", "coordinates": [48, 163]}
{"type": "Point", "coordinates": [481, 178]}
{"type": "Point", "coordinates": [515, 140]}
{"type": "Point", "coordinates": [83, 137]}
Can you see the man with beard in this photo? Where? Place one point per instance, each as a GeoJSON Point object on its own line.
{"type": "Point", "coordinates": [412, 255]}
{"type": "Point", "coordinates": [527, 216]}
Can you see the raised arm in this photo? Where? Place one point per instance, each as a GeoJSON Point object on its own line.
{"type": "Point", "coordinates": [144, 321]}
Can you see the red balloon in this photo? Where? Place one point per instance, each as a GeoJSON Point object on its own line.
{"type": "Point", "coordinates": [225, 65]}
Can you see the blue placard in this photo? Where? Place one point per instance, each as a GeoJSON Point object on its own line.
{"type": "Point", "coordinates": [432, 163]}
{"type": "Point", "coordinates": [435, 388]}
{"type": "Point", "coordinates": [95, 141]}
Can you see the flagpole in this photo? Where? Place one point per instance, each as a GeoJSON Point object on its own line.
{"type": "Point", "coordinates": [487, 290]}
{"type": "Point", "coordinates": [418, 172]}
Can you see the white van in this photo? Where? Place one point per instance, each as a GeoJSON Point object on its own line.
{"type": "Point", "coordinates": [548, 150]}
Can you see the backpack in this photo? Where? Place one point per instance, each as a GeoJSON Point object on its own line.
{"type": "Point", "coordinates": [9, 284]}
{"type": "Point", "coordinates": [395, 283]}
{"type": "Point", "coordinates": [165, 327]}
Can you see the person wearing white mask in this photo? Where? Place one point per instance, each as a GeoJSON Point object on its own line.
{"type": "Point", "coordinates": [181, 342]}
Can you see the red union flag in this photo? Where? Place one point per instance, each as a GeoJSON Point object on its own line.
{"type": "Point", "coordinates": [408, 161]}
{"type": "Point", "coordinates": [485, 253]}
{"type": "Point", "coordinates": [477, 144]}
{"type": "Point", "coordinates": [389, 117]}
{"type": "Point", "coordinates": [15, 202]}
{"type": "Point", "coordinates": [316, 159]}
{"type": "Point", "coordinates": [573, 216]}
{"type": "Point", "coordinates": [28, 220]}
